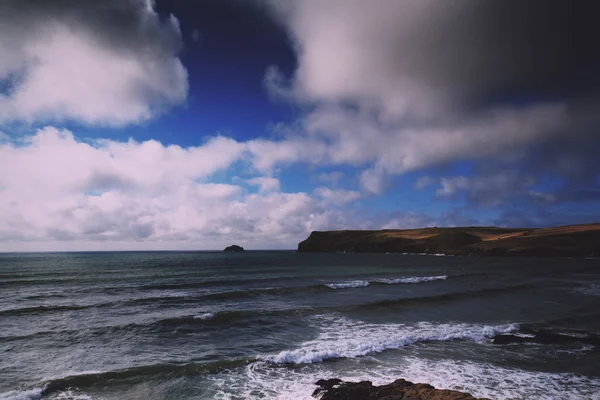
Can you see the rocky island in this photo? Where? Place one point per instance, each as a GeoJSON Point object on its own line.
{"type": "Point", "coordinates": [234, 248]}
{"type": "Point", "coordinates": [563, 241]}
{"type": "Point", "coordinates": [335, 389]}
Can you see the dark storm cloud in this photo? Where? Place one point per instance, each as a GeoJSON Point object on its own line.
{"type": "Point", "coordinates": [115, 61]}
{"type": "Point", "coordinates": [432, 82]}
{"type": "Point", "coordinates": [514, 50]}
{"type": "Point", "coordinates": [463, 53]}
{"type": "Point", "coordinates": [121, 24]}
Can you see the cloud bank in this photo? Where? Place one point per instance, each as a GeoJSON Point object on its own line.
{"type": "Point", "coordinates": [508, 89]}
{"type": "Point", "coordinates": [56, 188]}
{"type": "Point", "coordinates": [402, 86]}
{"type": "Point", "coordinates": [109, 62]}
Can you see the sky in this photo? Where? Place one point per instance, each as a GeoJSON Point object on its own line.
{"type": "Point", "coordinates": [196, 124]}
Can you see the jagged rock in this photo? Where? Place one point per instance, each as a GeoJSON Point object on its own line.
{"type": "Point", "coordinates": [335, 389]}
{"type": "Point", "coordinates": [234, 247]}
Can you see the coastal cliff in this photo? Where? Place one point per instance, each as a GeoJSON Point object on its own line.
{"type": "Point", "coordinates": [564, 241]}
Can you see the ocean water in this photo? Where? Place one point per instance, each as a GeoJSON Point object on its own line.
{"type": "Point", "coordinates": [267, 325]}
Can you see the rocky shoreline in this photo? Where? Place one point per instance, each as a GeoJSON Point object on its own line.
{"type": "Point", "coordinates": [335, 389]}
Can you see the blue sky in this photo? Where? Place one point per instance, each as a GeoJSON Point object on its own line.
{"type": "Point", "coordinates": [196, 124]}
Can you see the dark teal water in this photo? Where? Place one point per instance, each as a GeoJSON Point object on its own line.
{"type": "Point", "coordinates": [167, 325]}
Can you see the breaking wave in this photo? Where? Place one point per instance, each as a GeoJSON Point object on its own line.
{"type": "Point", "coordinates": [205, 316]}
{"type": "Point", "coordinates": [344, 338]}
{"type": "Point", "coordinates": [272, 381]}
{"type": "Point", "coordinates": [414, 279]}
{"type": "Point", "coordinates": [32, 394]}
{"type": "Point", "coordinates": [387, 281]}
{"type": "Point", "coordinates": [346, 285]}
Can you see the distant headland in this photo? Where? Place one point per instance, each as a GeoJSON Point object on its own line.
{"type": "Point", "coordinates": [562, 241]}
{"type": "Point", "coordinates": [234, 247]}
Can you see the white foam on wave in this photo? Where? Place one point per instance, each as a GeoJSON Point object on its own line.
{"type": "Point", "coordinates": [344, 338]}
{"type": "Point", "coordinates": [486, 380]}
{"type": "Point", "coordinates": [413, 279]}
{"type": "Point", "coordinates": [205, 316]}
{"type": "Point", "coordinates": [389, 281]}
{"type": "Point", "coordinates": [36, 394]}
{"type": "Point", "coordinates": [523, 335]}
{"type": "Point", "coordinates": [32, 394]}
{"type": "Point", "coordinates": [69, 395]}
{"type": "Point", "coordinates": [262, 380]}
{"type": "Point", "coordinates": [347, 285]}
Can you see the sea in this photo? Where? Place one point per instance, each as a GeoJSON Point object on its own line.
{"type": "Point", "coordinates": [269, 324]}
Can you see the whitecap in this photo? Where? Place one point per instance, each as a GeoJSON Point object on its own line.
{"type": "Point", "coordinates": [344, 338]}
{"type": "Point", "coordinates": [491, 381]}
{"type": "Point", "coordinates": [268, 381]}
{"type": "Point", "coordinates": [413, 279]}
{"type": "Point", "coordinates": [347, 285]}
{"type": "Point", "coordinates": [32, 394]}
{"type": "Point", "coordinates": [69, 395]}
{"type": "Point", "coordinates": [205, 316]}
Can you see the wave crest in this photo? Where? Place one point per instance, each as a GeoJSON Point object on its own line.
{"type": "Point", "coordinates": [343, 338]}
{"type": "Point", "coordinates": [413, 279]}
{"type": "Point", "coordinates": [32, 394]}
{"type": "Point", "coordinates": [205, 316]}
{"type": "Point", "coordinates": [346, 285]}
{"type": "Point", "coordinates": [387, 281]}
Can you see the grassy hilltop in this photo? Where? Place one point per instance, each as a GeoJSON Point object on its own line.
{"type": "Point", "coordinates": [567, 241]}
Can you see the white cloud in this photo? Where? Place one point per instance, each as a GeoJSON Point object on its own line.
{"type": "Point", "coordinates": [74, 63]}
{"type": "Point", "coordinates": [450, 186]}
{"type": "Point", "coordinates": [541, 197]}
{"type": "Point", "coordinates": [346, 136]}
{"type": "Point", "coordinates": [373, 180]}
{"type": "Point", "coordinates": [409, 85]}
{"type": "Point", "coordinates": [336, 196]}
{"type": "Point", "coordinates": [266, 183]}
{"type": "Point", "coordinates": [408, 220]}
{"type": "Point", "coordinates": [490, 188]}
{"type": "Point", "coordinates": [267, 155]}
{"type": "Point", "coordinates": [56, 186]}
{"type": "Point", "coordinates": [61, 193]}
{"type": "Point", "coordinates": [423, 182]}
{"type": "Point", "coordinates": [332, 177]}
{"type": "Point", "coordinates": [56, 162]}
{"type": "Point", "coordinates": [364, 136]}
{"type": "Point", "coordinates": [424, 58]}
{"type": "Point", "coordinates": [348, 49]}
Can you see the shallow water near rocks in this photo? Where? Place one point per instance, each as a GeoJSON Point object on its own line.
{"type": "Point", "coordinates": [267, 325]}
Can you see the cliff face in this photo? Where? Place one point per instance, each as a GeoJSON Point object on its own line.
{"type": "Point", "coordinates": [567, 241]}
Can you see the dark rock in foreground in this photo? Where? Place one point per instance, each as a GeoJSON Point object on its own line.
{"type": "Point", "coordinates": [563, 241]}
{"type": "Point", "coordinates": [234, 247]}
{"type": "Point", "coordinates": [335, 389]}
